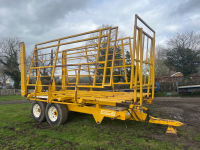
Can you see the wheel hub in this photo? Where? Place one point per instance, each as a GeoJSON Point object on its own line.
{"type": "Point", "coordinates": [55, 113]}
{"type": "Point", "coordinates": [39, 110]}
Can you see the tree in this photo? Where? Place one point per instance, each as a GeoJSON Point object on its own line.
{"type": "Point", "coordinates": [185, 39]}
{"type": "Point", "coordinates": [183, 59]}
{"type": "Point", "coordinates": [9, 59]}
{"type": "Point", "coordinates": [3, 76]}
{"type": "Point", "coordinates": [160, 68]}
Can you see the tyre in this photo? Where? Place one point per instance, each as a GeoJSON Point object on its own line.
{"type": "Point", "coordinates": [38, 111]}
{"type": "Point", "coordinates": [56, 114]}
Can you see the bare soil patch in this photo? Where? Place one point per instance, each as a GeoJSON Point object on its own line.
{"type": "Point", "coordinates": [186, 110]}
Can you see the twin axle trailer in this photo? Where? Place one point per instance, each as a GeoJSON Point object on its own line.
{"type": "Point", "coordinates": [72, 73]}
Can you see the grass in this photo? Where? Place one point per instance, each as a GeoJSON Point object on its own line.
{"type": "Point", "coordinates": [11, 97]}
{"type": "Point", "coordinates": [19, 131]}
{"type": "Point", "coordinates": [197, 138]}
{"type": "Point", "coordinates": [174, 94]}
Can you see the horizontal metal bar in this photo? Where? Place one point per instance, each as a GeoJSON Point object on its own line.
{"type": "Point", "coordinates": [78, 48]}
{"type": "Point", "coordinates": [76, 57]}
{"type": "Point", "coordinates": [145, 62]}
{"type": "Point", "coordinates": [89, 86]}
{"type": "Point", "coordinates": [122, 83]}
{"type": "Point", "coordinates": [31, 84]}
{"type": "Point", "coordinates": [145, 33]}
{"type": "Point", "coordinates": [77, 64]}
{"type": "Point", "coordinates": [98, 30]}
{"type": "Point", "coordinates": [40, 76]}
{"type": "Point", "coordinates": [142, 85]}
{"type": "Point", "coordinates": [80, 51]}
{"type": "Point", "coordinates": [44, 60]}
{"type": "Point", "coordinates": [42, 67]}
{"type": "Point", "coordinates": [119, 45]}
{"type": "Point", "coordinates": [127, 66]}
{"type": "Point", "coordinates": [116, 60]}
{"type": "Point", "coordinates": [82, 40]}
{"type": "Point", "coordinates": [44, 54]}
{"type": "Point", "coordinates": [144, 23]}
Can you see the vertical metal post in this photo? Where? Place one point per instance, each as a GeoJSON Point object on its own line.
{"type": "Point", "coordinates": [51, 58]}
{"type": "Point", "coordinates": [23, 69]}
{"type": "Point", "coordinates": [97, 58]}
{"type": "Point", "coordinates": [141, 67]}
{"type": "Point", "coordinates": [90, 80]}
{"type": "Point", "coordinates": [133, 58]}
{"type": "Point", "coordinates": [77, 82]}
{"type": "Point", "coordinates": [146, 61]}
{"type": "Point", "coordinates": [124, 60]}
{"type": "Point", "coordinates": [113, 86]}
{"type": "Point", "coordinates": [31, 65]}
{"type": "Point", "coordinates": [52, 74]}
{"type": "Point", "coordinates": [36, 59]}
{"type": "Point", "coordinates": [153, 80]}
{"type": "Point", "coordinates": [113, 59]}
{"type": "Point", "coordinates": [137, 68]}
{"type": "Point", "coordinates": [38, 82]}
{"type": "Point", "coordinates": [64, 70]}
{"type": "Point", "coordinates": [150, 70]}
{"type": "Point", "coordinates": [106, 59]}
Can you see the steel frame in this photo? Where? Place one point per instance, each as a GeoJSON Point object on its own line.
{"type": "Point", "coordinates": [116, 105]}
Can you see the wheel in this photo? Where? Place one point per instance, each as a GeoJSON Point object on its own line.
{"type": "Point", "coordinates": [56, 114]}
{"type": "Point", "coordinates": [38, 111]}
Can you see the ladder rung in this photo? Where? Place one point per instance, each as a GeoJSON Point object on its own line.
{"type": "Point", "coordinates": [44, 60]}
{"type": "Point", "coordinates": [42, 67]}
{"type": "Point", "coordinates": [31, 84]}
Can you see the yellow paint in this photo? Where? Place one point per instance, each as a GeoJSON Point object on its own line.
{"type": "Point", "coordinates": [171, 130]}
{"type": "Point", "coordinates": [87, 59]}
{"type": "Point", "coordinates": [23, 69]}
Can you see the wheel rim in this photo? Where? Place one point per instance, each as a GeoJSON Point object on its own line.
{"type": "Point", "coordinates": [36, 110]}
{"type": "Point", "coordinates": [53, 113]}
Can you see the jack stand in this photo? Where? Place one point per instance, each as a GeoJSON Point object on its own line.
{"type": "Point", "coordinates": [171, 130]}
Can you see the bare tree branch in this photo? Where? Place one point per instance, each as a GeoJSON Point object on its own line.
{"type": "Point", "coordinates": [185, 39]}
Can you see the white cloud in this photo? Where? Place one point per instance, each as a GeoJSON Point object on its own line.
{"type": "Point", "coordinates": [38, 21]}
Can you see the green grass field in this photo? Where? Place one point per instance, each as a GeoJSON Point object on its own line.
{"type": "Point", "coordinates": [19, 131]}
{"type": "Point", "coordinates": [11, 97]}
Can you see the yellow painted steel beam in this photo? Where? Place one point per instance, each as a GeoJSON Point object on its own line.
{"type": "Point", "coordinates": [23, 70]}
{"type": "Point", "coordinates": [153, 78]}
{"type": "Point", "coordinates": [141, 66]}
{"type": "Point", "coordinates": [64, 71]}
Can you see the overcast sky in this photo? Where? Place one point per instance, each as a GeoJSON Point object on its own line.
{"type": "Point", "coordinates": [36, 21]}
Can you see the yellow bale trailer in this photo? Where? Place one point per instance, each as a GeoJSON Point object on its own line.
{"type": "Point", "coordinates": [68, 73]}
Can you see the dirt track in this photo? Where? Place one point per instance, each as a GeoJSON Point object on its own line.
{"type": "Point", "coordinates": [186, 110]}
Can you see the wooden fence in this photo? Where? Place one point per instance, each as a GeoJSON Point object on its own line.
{"type": "Point", "coordinates": [10, 92]}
